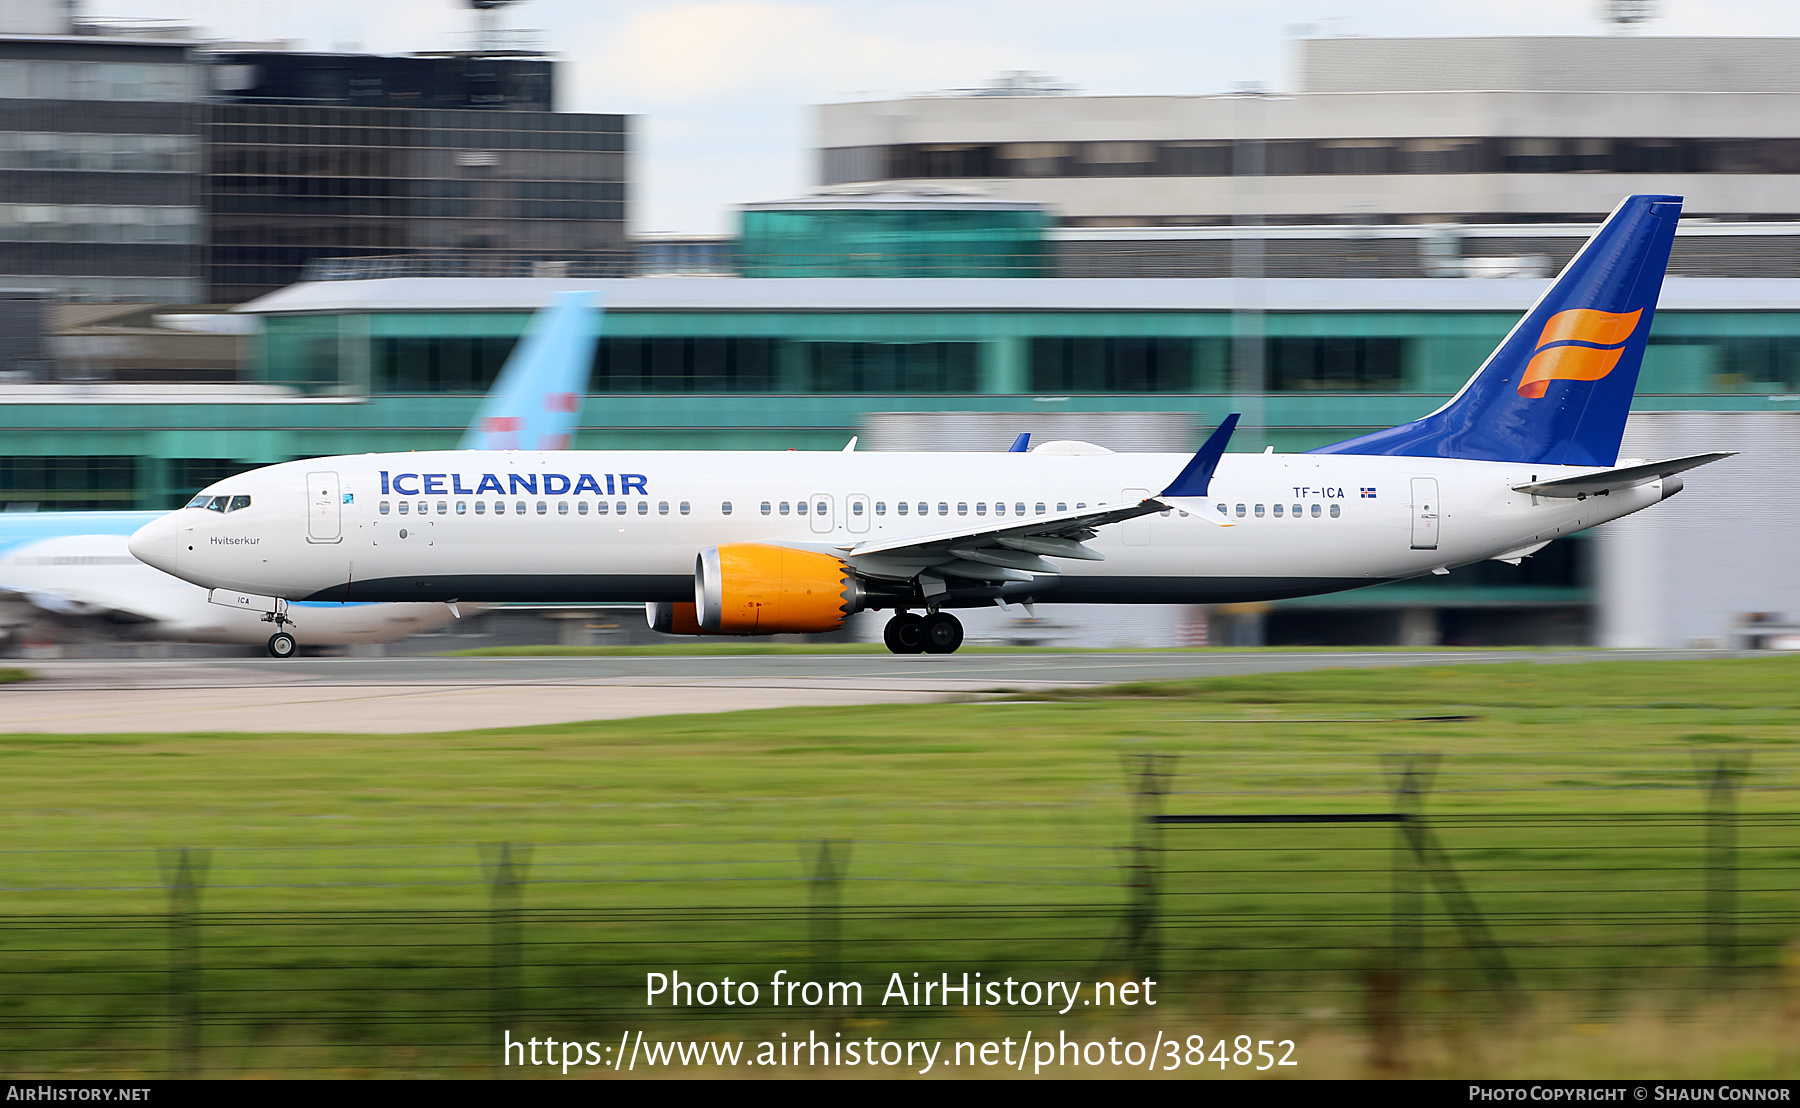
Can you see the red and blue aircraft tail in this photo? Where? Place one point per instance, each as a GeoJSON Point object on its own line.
{"type": "Point", "coordinates": [1557, 389]}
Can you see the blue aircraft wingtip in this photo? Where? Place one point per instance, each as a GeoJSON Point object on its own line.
{"type": "Point", "coordinates": [1196, 477]}
{"type": "Point", "coordinates": [1020, 443]}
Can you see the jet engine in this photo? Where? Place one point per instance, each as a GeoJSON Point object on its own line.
{"type": "Point", "coordinates": [756, 589]}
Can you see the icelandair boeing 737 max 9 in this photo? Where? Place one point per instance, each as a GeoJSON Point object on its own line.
{"type": "Point", "coordinates": [760, 543]}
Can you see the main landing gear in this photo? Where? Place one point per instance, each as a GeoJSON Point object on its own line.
{"type": "Point", "coordinates": [936, 633]}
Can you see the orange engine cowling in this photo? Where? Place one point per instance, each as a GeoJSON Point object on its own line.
{"type": "Point", "coordinates": [750, 588]}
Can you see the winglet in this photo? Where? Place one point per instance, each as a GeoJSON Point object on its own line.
{"type": "Point", "coordinates": [1020, 443]}
{"type": "Point", "coordinates": [1197, 474]}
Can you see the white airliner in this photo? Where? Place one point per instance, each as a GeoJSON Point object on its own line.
{"type": "Point", "coordinates": [75, 566]}
{"type": "Point", "coordinates": [759, 543]}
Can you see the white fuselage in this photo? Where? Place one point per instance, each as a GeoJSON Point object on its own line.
{"type": "Point", "coordinates": [96, 576]}
{"type": "Point", "coordinates": [627, 525]}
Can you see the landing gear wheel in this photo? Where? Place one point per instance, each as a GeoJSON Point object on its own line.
{"type": "Point", "coordinates": [905, 634]}
{"type": "Point", "coordinates": [943, 633]}
{"type": "Point", "coordinates": [282, 645]}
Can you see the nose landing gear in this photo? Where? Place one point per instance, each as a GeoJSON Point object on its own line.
{"type": "Point", "coordinates": [936, 633]}
{"type": "Point", "coordinates": [282, 645]}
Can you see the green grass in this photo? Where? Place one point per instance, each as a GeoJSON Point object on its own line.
{"type": "Point", "coordinates": [8, 676]}
{"type": "Point", "coordinates": [349, 906]}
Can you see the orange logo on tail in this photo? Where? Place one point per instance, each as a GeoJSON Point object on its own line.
{"type": "Point", "coordinates": [1577, 345]}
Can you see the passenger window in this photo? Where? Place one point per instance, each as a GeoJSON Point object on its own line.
{"type": "Point", "coordinates": [1334, 511]}
{"type": "Point", "coordinates": [1278, 509]}
{"type": "Point", "coordinates": [562, 507]}
{"type": "Point", "coordinates": [662, 507]}
{"type": "Point", "coordinates": [480, 507]}
{"type": "Point", "coordinates": [1078, 507]}
{"type": "Point", "coordinates": [403, 507]}
{"type": "Point", "coordinates": [800, 508]}
{"type": "Point", "coordinates": [1061, 507]}
{"type": "Point", "coordinates": [643, 507]}
{"type": "Point", "coordinates": [784, 508]}
{"type": "Point", "coordinates": [981, 507]}
{"type": "Point", "coordinates": [1040, 508]}
{"type": "Point", "coordinates": [1240, 511]}
{"type": "Point", "coordinates": [725, 508]}
{"type": "Point", "coordinates": [1259, 511]}
{"type": "Point", "coordinates": [881, 507]}
{"type": "Point", "coordinates": [1296, 511]}
{"type": "Point", "coordinates": [383, 509]}
{"type": "Point", "coordinates": [924, 508]}
{"type": "Point", "coordinates": [619, 506]}
{"type": "Point", "coordinates": [462, 507]}
{"type": "Point", "coordinates": [424, 508]}
{"type": "Point", "coordinates": [821, 509]}
{"type": "Point", "coordinates": [943, 508]}
{"type": "Point", "coordinates": [1222, 510]}
{"type": "Point", "coordinates": [856, 508]}
{"type": "Point", "coordinates": [519, 508]}
{"type": "Point", "coordinates": [999, 507]}
{"type": "Point", "coordinates": [765, 507]}
{"type": "Point", "coordinates": [685, 508]}
{"type": "Point", "coordinates": [499, 507]}
{"type": "Point", "coordinates": [581, 507]}
{"type": "Point", "coordinates": [217, 503]}
{"type": "Point", "coordinates": [1019, 508]}
{"type": "Point", "coordinates": [238, 502]}
{"type": "Point", "coordinates": [443, 508]}
{"type": "Point", "coordinates": [1315, 511]}
{"type": "Point", "coordinates": [599, 507]}
{"type": "Point", "coordinates": [199, 501]}
{"type": "Point", "coordinates": [900, 507]}
{"type": "Point", "coordinates": [543, 508]}
{"type": "Point", "coordinates": [962, 508]}
{"type": "Point", "coordinates": [1165, 513]}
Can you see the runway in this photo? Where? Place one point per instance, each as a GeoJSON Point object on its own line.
{"type": "Point", "coordinates": [425, 694]}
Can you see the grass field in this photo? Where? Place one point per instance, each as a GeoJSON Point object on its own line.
{"type": "Point", "coordinates": [346, 912]}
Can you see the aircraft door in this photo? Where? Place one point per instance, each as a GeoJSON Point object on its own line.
{"type": "Point", "coordinates": [1135, 532]}
{"type": "Point", "coordinates": [1425, 513]}
{"type": "Point", "coordinates": [856, 512]}
{"type": "Point", "coordinates": [324, 513]}
{"type": "Point", "coordinates": [822, 523]}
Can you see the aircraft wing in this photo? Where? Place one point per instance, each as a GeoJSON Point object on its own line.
{"type": "Point", "coordinates": [1622, 477]}
{"type": "Point", "coordinates": [71, 603]}
{"type": "Point", "coordinates": [1014, 551]}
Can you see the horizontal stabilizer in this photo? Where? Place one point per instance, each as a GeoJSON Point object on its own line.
{"type": "Point", "coordinates": [1624, 477]}
{"type": "Point", "coordinates": [1196, 476]}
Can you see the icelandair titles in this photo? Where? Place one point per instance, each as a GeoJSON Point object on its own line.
{"type": "Point", "coordinates": [554, 484]}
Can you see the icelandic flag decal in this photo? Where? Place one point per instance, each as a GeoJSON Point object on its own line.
{"type": "Point", "coordinates": [1368, 493]}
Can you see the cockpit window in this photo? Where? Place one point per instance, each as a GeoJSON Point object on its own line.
{"type": "Point", "coordinates": [238, 502]}
{"type": "Point", "coordinates": [199, 501]}
{"type": "Point", "coordinates": [218, 503]}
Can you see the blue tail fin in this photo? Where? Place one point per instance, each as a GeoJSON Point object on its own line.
{"type": "Point", "coordinates": [1556, 391]}
{"type": "Point", "coordinates": [535, 403]}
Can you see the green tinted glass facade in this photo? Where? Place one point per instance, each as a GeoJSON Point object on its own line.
{"type": "Point", "coordinates": [899, 242]}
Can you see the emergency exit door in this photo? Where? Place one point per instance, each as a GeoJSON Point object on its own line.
{"type": "Point", "coordinates": [324, 514]}
{"type": "Point", "coordinates": [1425, 513]}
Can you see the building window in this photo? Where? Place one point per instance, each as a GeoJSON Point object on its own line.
{"type": "Point", "coordinates": [1112, 365]}
{"type": "Point", "coordinates": [1334, 364]}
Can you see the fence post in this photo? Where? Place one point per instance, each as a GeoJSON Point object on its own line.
{"type": "Point", "coordinates": [1720, 781]}
{"type": "Point", "coordinates": [184, 874]}
{"type": "Point", "coordinates": [505, 866]}
{"type": "Point", "coordinates": [1149, 775]}
{"type": "Point", "coordinates": [824, 884]}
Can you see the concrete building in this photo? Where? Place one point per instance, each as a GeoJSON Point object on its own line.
{"type": "Point", "coordinates": [1465, 130]}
